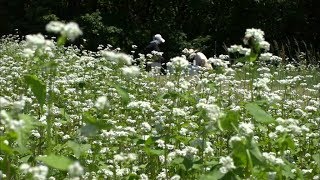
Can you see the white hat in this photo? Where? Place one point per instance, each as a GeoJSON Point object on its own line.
{"type": "Point", "coordinates": [159, 37]}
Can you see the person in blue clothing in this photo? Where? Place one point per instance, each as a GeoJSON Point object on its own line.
{"type": "Point", "coordinates": [154, 46]}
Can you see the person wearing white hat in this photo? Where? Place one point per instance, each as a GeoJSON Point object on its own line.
{"type": "Point", "coordinates": [154, 46]}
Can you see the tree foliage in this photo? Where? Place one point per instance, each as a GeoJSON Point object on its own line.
{"type": "Point", "coordinates": [203, 24]}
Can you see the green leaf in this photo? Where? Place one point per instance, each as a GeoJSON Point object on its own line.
{"type": "Point", "coordinates": [188, 163]}
{"type": "Point", "coordinates": [286, 141]}
{"type": "Point", "coordinates": [5, 148]}
{"type": "Point", "coordinates": [259, 114]}
{"type": "Point", "coordinates": [253, 57]}
{"type": "Point", "coordinates": [93, 124]}
{"type": "Point", "coordinates": [37, 87]}
{"type": "Point", "coordinates": [177, 160]}
{"type": "Point", "coordinates": [78, 149]}
{"type": "Point", "coordinates": [170, 95]}
{"type": "Point", "coordinates": [316, 158]}
{"type": "Point", "coordinates": [62, 40]}
{"type": "Point", "coordinates": [54, 161]}
{"type": "Point", "coordinates": [122, 92]}
{"type": "Point", "coordinates": [256, 154]}
{"type": "Point", "coordinates": [230, 121]}
{"type": "Point", "coordinates": [216, 174]}
{"type": "Point", "coordinates": [157, 152]}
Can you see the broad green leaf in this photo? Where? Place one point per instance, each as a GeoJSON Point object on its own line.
{"type": "Point", "coordinates": [259, 114]}
{"type": "Point", "coordinates": [188, 163]}
{"type": "Point", "coordinates": [230, 121]}
{"type": "Point", "coordinates": [37, 87]}
{"type": "Point", "coordinates": [93, 124]}
{"type": "Point", "coordinates": [256, 154]}
{"type": "Point", "coordinates": [286, 141]}
{"type": "Point", "coordinates": [177, 160]}
{"type": "Point", "coordinates": [216, 174]}
{"type": "Point", "coordinates": [78, 149]}
{"type": "Point", "coordinates": [122, 92]}
{"type": "Point", "coordinates": [170, 95]}
{"type": "Point", "coordinates": [58, 162]}
{"type": "Point", "coordinates": [89, 130]}
{"type": "Point", "coordinates": [157, 152]}
{"type": "Point", "coordinates": [253, 57]}
{"type": "Point", "coordinates": [62, 40]}
{"type": "Point", "coordinates": [5, 148]}
{"type": "Point", "coordinates": [316, 158]}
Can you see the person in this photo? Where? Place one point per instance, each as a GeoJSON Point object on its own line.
{"type": "Point", "coordinates": [200, 60]}
{"type": "Point", "coordinates": [154, 46]}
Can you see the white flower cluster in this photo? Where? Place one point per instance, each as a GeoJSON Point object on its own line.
{"type": "Point", "coordinates": [4, 102]}
{"type": "Point", "coordinates": [219, 62]}
{"type": "Point", "coordinates": [156, 53]}
{"type": "Point", "coordinates": [290, 125]}
{"type": "Point", "coordinates": [70, 30]}
{"type": "Point", "coordinates": [246, 128]}
{"type": "Point", "coordinates": [125, 157]}
{"type": "Point", "coordinates": [179, 112]}
{"type": "Point", "coordinates": [262, 83]}
{"type": "Point", "coordinates": [37, 42]}
{"type": "Point", "coordinates": [188, 51]}
{"type": "Point", "coordinates": [131, 71]}
{"type": "Point", "coordinates": [143, 105]}
{"type": "Point", "coordinates": [178, 63]}
{"type": "Point", "coordinates": [102, 102]}
{"type": "Point", "coordinates": [38, 172]}
{"type": "Point", "coordinates": [271, 158]}
{"type": "Point", "coordinates": [213, 111]}
{"type": "Point", "coordinates": [239, 49]}
{"type": "Point", "coordinates": [145, 126]}
{"type": "Point", "coordinates": [116, 57]}
{"type": "Point", "coordinates": [9, 122]}
{"type": "Point", "coordinates": [75, 169]}
{"type": "Point", "coordinates": [235, 139]}
{"type": "Point", "coordinates": [227, 164]}
{"type": "Point", "coordinates": [258, 36]}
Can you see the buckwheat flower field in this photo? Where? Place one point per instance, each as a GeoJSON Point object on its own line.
{"type": "Point", "coordinates": [71, 113]}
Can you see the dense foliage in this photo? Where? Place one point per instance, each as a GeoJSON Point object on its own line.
{"type": "Point", "coordinates": [205, 24]}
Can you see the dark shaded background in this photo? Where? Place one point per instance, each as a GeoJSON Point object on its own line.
{"type": "Point", "coordinates": [290, 25]}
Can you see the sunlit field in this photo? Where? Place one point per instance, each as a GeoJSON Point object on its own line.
{"type": "Point", "coordinates": [71, 113]}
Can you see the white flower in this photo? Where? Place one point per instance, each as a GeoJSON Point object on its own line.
{"type": "Point", "coordinates": [175, 177]}
{"type": "Point", "coordinates": [35, 40]}
{"type": "Point", "coordinates": [178, 62]}
{"type": "Point", "coordinates": [234, 139]}
{"type": "Point", "coordinates": [4, 102]}
{"type": "Point", "coordinates": [265, 56]}
{"type": "Point", "coordinates": [117, 57]}
{"type": "Point", "coordinates": [213, 111]}
{"type": "Point", "coordinates": [246, 128]}
{"type": "Point", "coordinates": [144, 177]}
{"type": "Point", "coordinates": [24, 167]}
{"type": "Point", "coordinates": [145, 126]}
{"type": "Point", "coordinates": [55, 26]}
{"type": "Point", "coordinates": [264, 45]}
{"type": "Point", "coordinates": [131, 70]}
{"type": "Point", "coordinates": [234, 48]}
{"type": "Point", "coordinates": [275, 59]}
{"type": "Point", "coordinates": [256, 34]}
{"type": "Point", "coordinates": [178, 112]}
{"type": "Point", "coordinates": [270, 157]}
{"type": "Point", "coordinates": [75, 169]}
{"type": "Point", "coordinates": [102, 102]}
{"type": "Point", "coordinates": [227, 164]}
{"type": "Point", "coordinates": [71, 31]}
{"type": "Point", "coordinates": [27, 52]}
